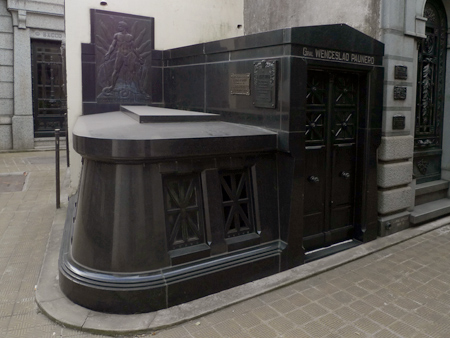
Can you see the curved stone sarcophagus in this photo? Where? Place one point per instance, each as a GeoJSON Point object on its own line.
{"type": "Point", "coordinates": [168, 209]}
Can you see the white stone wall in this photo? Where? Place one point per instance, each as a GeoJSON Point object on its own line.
{"type": "Point", "coordinates": [6, 76]}
{"type": "Point", "coordinates": [177, 23]}
{"type": "Point", "coordinates": [265, 15]}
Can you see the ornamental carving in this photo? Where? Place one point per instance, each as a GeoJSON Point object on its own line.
{"type": "Point", "coordinates": [430, 13]}
{"type": "Point", "coordinates": [422, 165]}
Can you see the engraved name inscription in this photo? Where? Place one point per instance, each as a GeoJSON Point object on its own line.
{"type": "Point", "coordinates": [48, 35]}
{"type": "Point", "coordinates": [326, 54]}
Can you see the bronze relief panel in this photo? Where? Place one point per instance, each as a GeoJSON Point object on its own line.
{"type": "Point", "coordinates": [123, 57]}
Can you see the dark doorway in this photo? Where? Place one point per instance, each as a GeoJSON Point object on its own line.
{"type": "Point", "coordinates": [430, 95]}
{"type": "Point", "coordinates": [49, 100]}
{"type": "Point", "coordinates": [330, 162]}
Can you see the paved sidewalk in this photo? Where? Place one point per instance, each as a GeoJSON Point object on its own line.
{"type": "Point", "coordinates": [400, 291]}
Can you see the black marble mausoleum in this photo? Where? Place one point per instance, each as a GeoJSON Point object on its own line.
{"type": "Point", "coordinates": [250, 154]}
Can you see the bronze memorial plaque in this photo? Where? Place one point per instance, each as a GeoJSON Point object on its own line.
{"type": "Point", "coordinates": [264, 84]}
{"type": "Point", "coordinates": [398, 122]}
{"type": "Point", "coordinates": [240, 84]}
{"type": "Point", "coordinates": [401, 72]}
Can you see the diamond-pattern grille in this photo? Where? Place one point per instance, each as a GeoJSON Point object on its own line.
{"type": "Point", "coordinates": [184, 211]}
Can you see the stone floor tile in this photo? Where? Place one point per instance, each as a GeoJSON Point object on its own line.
{"type": "Point", "coordinates": [385, 333]}
{"type": "Point", "coordinates": [281, 324]}
{"type": "Point", "coordinates": [296, 333]}
{"type": "Point", "coordinates": [353, 277]}
{"type": "Point", "coordinates": [361, 307]}
{"type": "Point", "coordinates": [333, 322]}
{"type": "Point", "coordinates": [429, 314]}
{"type": "Point", "coordinates": [228, 328]}
{"type": "Point", "coordinates": [439, 329]}
{"type": "Point", "coordinates": [352, 332]}
{"type": "Point", "coordinates": [315, 310]}
{"type": "Point", "coordinates": [313, 294]}
{"type": "Point", "coordinates": [402, 329]}
{"type": "Point", "coordinates": [343, 297]}
{"type": "Point", "coordinates": [357, 291]}
{"type": "Point", "coordinates": [316, 329]}
{"type": "Point", "coordinates": [25, 307]}
{"type": "Point", "coordinates": [387, 295]}
{"type": "Point", "coordinates": [219, 316]}
{"type": "Point", "coordinates": [420, 277]}
{"type": "Point", "coordinates": [394, 311]}
{"type": "Point", "coordinates": [339, 282]}
{"type": "Point", "coordinates": [369, 285]}
{"type": "Point", "coordinates": [374, 300]}
{"type": "Point", "coordinates": [265, 313]}
{"type": "Point", "coordinates": [407, 303]}
{"type": "Point", "coordinates": [347, 314]}
{"type": "Point", "coordinates": [333, 335]}
{"type": "Point", "coordinates": [367, 325]}
{"type": "Point", "coordinates": [176, 332]}
{"type": "Point", "coordinates": [241, 335]}
{"type": "Point", "coordinates": [299, 317]}
{"type": "Point", "coordinates": [247, 320]}
{"type": "Point", "coordinates": [381, 318]}
{"type": "Point", "coordinates": [416, 321]}
{"type": "Point", "coordinates": [283, 306]}
{"type": "Point", "coordinates": [298, 300]}
{"type": "Point", "coordinates": [326, 288]}
{"type": "Point", "coordinates": [269, 297]}
{"type": "Point", "coordinates": [285, 292]}
{"type": "Point", "coordinates": [329, 303]}
{"type": "Point", "coordinates": [263, 331]}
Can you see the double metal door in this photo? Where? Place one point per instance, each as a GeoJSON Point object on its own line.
{"type": "Point", "coordinates": [330, 161]}
{"type": "Point", "coordinates": [431, 72]}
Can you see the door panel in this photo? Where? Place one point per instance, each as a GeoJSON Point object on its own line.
{"type": "Point", "coordinates": [343, 175]}
{"type": "Point", "coordinates": [314, 205]}
{"type": "Point", "coordinates": [430, 95]}
{"type": "Point", "coordinates": [330, 157]}
{"type": "Point", "coordinates": [49, 100]}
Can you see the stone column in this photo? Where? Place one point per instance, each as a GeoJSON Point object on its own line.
{"type": "Point", "coordinates": [6, 77]}
{"type": "Point", "coordinates": [22, 120]}
{"type": "Point", "coordinates": [395, 183]}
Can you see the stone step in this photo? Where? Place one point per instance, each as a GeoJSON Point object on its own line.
{"type": "Point", "coordinates": [429, 211]}
{"type": "Point", "coordinates": [48, 143]}
{"type": "Point", "coordinates": [431, 191]}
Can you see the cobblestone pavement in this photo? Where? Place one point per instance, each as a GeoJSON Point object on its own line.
{"type": "Point", "coordinates": [402, 291]}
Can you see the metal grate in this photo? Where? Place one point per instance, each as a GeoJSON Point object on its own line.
{"type": "Point", "coordinates": [12, 182]}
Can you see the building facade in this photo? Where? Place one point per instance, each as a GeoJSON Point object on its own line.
{"type": "Point", "coordinates": [414, 157]}
{"type": "Point", "coordinates": [32, 97]}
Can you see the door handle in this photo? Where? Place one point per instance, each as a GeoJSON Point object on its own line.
{"type": "Point", "coordinates": [345, 175]}
{"type": "Point", "coordinates": [313, 179]}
